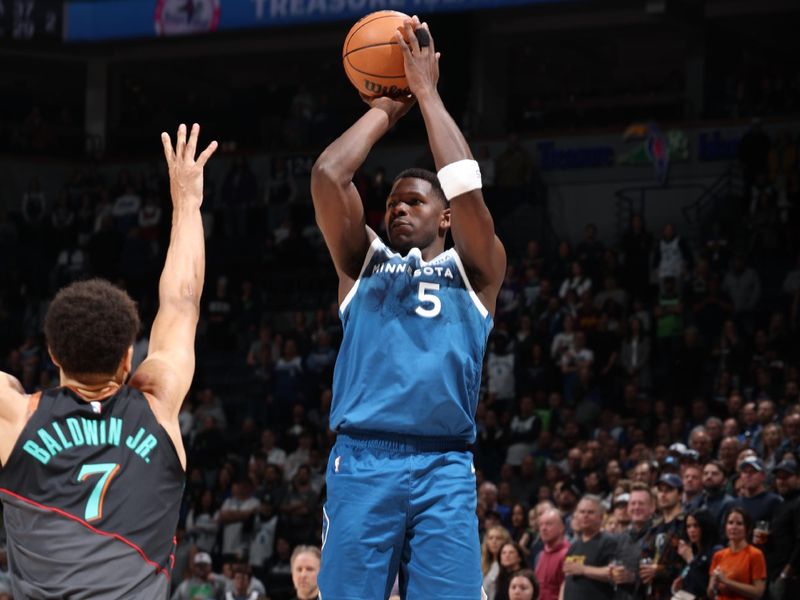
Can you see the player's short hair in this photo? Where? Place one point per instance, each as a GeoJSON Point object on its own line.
{"type": "Point", "coordinates": [425, 175]}
{"type": "Point", "coordinates": [242, 569]}
{"type": "Point", "coordinates": [305, 550]}
{"type": "Point", "coordinates": [89, 326]}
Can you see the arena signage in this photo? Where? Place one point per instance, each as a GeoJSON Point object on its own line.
{"type": "Point", "coordinates": [552, 157]}
{"type": "Point", "coordinates": [712, 145]}
{"type": "Point", "coordinates": [89, 20]}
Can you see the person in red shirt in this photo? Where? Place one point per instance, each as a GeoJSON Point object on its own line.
{"type": "Point", "coordinates": [550, 562]}
{"type": "Point", "coordinates": [738, 572]}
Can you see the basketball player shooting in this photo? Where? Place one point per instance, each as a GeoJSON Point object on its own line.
{"type": "Point", "coordinates": [401, 486]}
{"type": "Point", "coordinates": [93, 470]}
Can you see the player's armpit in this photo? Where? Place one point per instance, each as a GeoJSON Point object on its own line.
{"type": "Point", "coordinates": [9, 382]}
{"type": "Point", "coordinates": [12, 400]}
{"type": "Point", "coordinates": [14, 407]}
{"type": "Point", "coordinates": [168, 370]}
{"type": "Point", "coordinates": [158, 379]}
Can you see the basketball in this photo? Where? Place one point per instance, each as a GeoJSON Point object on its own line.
{"type": "Point", "coordinates": [372, 57]}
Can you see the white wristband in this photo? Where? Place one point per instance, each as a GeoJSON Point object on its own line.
{"type": "Point", "coordinates": [459, 178]}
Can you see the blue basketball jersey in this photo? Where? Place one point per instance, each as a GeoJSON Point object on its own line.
{"type": "Point", "coordinates": [414, 338]}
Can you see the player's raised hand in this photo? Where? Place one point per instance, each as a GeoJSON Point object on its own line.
{"type": "Point", "coordinates": [395, 108]}
{"type": "Point", "coordinates": [186, 173]}
{"type": "Point", "coordinates": [419, 56]}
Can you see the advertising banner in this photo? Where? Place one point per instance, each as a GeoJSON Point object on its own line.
{"type": "Point", "coordinates": [90, 20]}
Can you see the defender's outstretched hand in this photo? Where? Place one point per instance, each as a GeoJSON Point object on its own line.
{"type": "Point", "coordinates": [186, 173]}
{"type": "Point", "coordinates": [419, 56]}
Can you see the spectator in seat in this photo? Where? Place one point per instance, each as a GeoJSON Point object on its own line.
{"type": "Point", "coordinates": [576, 282]}
{"type": "Point", "coordinates": [586, 565]}
{"type": "Point", "coordinates": [759, 503]}
{"type": "Point", "coordinates": [523, 586]}
{"type": "Point", "coordinates": [549, 567]}
{"type": "Point", "coordinates": [493, 541]}
{"type": "Point", "coordinates": [242, 585]}
{"type": "Point", "coordinates": [660, 544]}
{"type": "Point", "coordinates": [672, 258]}
{"type": "Point", "coordinates": [305, 568]}
{"type": "Point", "coordinates": [697, 550]}
{"type": "Point", "coordinates": [511, 561]}
{"type": "Point", "coordinates": [203, 583]}
{"type": "Point", "coordinates": [782, 550]}
{"type": "Point", "coordinates": [738, 572]}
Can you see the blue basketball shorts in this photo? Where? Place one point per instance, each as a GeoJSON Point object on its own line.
{"type": "Point", "coordinates": [399, 506]}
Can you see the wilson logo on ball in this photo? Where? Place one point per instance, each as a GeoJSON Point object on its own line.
{"type": "Point", "coordinates": [392, 91]}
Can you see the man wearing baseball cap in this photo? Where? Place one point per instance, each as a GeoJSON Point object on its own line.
{"type": "Point", "coordinates": [759, 503]}
{"type": "Point", "coordinates": [203, 583]}
{"type": "Point", "coordinates": [657, 577]}
{"type": "Point", "coordinates": [782, 550]}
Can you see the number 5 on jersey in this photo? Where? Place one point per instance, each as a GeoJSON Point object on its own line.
{"type": "Point", "coordinates": [425, 297]}
{"type": "Point", "coordinates": [107, 472]}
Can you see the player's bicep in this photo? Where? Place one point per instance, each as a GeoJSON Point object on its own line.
{"type": "Point", "coordinates": [340, 217]}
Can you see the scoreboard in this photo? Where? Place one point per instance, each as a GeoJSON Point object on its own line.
{"type": "Point", "coordinates": [31, 19]}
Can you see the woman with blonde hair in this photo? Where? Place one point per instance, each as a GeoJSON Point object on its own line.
{"type": "Point", "coordinates": [493, 541]}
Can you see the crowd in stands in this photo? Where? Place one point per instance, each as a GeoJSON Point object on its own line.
{"type": "Point", "coordinates": [638, 431]}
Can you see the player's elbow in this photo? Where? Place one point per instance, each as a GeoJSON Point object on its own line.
{"type": "Point", "coordinates": [185, 295]}
{"type": "Point", "coordinates": [187, 306]}
{"type": "Point", "coordinates": [327, 170]}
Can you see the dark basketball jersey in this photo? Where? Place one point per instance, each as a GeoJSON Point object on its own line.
{"type": "Point", "coordinates": [91, 494]}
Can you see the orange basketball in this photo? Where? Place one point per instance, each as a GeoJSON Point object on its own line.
{"type": "Point", "coordinates": [372, 58]}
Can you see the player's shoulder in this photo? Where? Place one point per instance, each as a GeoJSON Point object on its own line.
{"type": "Point", "coordinates": [13, 399]}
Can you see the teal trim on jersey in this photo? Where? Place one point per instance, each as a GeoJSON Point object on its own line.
{"type": "Point", "coordinates": [414, 338]}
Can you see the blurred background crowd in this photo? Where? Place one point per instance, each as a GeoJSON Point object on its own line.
{"type": "Point", "coordinates": [646, 363]}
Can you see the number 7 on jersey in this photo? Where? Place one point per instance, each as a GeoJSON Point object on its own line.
{"type": "Point", "coordinates": [107, 472]}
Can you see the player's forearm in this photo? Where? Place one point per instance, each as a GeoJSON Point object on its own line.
{"type": "Point", "coordinates": [184, 268]}
{"type": "Point", "coordinates": [445, 138]}
{"type": "Point", "coordinates": [345, 156]}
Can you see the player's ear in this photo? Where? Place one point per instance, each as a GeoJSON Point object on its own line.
{"type": "Point", "coordinates": [444, 223]}
{"type": "Point", "coordinates": [127, 361]}
{"type": "Point", "coordinates": [53, 358]}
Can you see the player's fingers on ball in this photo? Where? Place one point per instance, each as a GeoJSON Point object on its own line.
{"type": "Point", "coordinates": [429, 40]}
{"type": "Point", "coordinates": [413, 42]}
{"type": "Point", "coordinates": [191, 145]}
{"type": "Point", "coordinates": [206, 154]}
{"type": "Point", "coordinates": [401, 41]}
